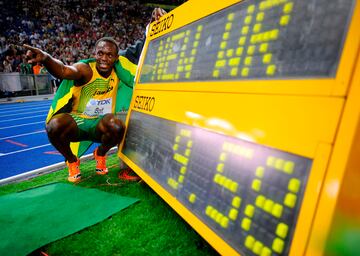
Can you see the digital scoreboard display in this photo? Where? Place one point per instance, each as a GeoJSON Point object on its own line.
{"type": "Point", "coordinates": [253, 40]}
{"type": "Point", "coordinates": [248, 193]}
{"type": "Point", "coordinates": [235, 115]}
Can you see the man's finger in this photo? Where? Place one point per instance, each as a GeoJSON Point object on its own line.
{"type": "Point", "coordinates": [163, 12]}
{"type": "Point", "coordinates": [17, 46]}
{"type": "Point", "coordinates": [32, 61]}
{"type": "Point", "coordinates": [159, 12]}
{"type": "Point", "coordinates": [26, 46]}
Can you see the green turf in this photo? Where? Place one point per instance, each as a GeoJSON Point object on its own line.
{"type": "Point", "coordinates": [149, 227]}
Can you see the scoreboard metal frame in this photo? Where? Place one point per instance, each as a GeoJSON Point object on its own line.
{"type": "Point", "coordinates": [295, 115]}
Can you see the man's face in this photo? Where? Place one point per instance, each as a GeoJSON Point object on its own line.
{"type": "Point", "coordinates": [106, 55]}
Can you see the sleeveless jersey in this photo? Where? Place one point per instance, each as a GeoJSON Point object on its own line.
{"type": "Point", "coordinates": [97, 97]}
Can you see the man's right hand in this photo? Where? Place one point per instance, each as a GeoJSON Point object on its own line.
{"type": "Point", "coordinates": [34, 54]}
{"type": "Point", "coordinates": [157, 14]}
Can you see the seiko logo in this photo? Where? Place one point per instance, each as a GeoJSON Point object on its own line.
{"type": "Point", "coordinates": [98, 92]}
{"type": "Point", "coordinates": [144, 103]}
{"type": "Point", "coordinates": [162, 25]}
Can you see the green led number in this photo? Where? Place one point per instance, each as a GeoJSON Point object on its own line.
{"type": "Point", "coordinates": [275, 209]}
{"type": "Point", "coordinates": [220, 179]}
{"type": "Point", "coordinates": [181, 157]}
{"type": "Point", "coordinates": [232, 55]}
{"type": "Point", "coordinates": [176, 49]}
{"type": "Point", "coordinates": [263, 203]}
{"type": "Point", "coordinates": [254, 44]}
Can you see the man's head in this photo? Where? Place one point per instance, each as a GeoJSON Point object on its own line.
{"type": "Point", "coordinates": [106, 53]}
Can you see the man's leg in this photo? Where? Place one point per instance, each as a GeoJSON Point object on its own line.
{"type": "Point", "coordinates": [109, 132]}
{"type": "Point", "coordinates": [61, 130]}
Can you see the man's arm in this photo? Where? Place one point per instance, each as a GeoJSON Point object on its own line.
{"type": "Point", "coordinates": [79, 71]}
{"type": "Point", "coordinates": [133, 52]}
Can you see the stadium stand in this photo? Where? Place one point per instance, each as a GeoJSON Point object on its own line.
{"type": "Point", "coordinates": [69, 29]}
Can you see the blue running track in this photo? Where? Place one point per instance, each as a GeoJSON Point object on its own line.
{"type": "Point", "coordinates": [24, 145]}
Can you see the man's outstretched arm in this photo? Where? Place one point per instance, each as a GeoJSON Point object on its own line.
{"type": "Point", "coordinates": [77, 72]}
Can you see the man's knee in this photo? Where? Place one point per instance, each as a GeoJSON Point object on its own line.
{"type": "Point", "coordinates": [53, 126]}
{"type": "Point", "coordinates": [60, 124]}
{"type": "Point", "coordinates": [112, 125]}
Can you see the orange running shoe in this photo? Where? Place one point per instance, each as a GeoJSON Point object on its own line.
{"type": "Point", "coordinates": [100, 164]}
{"type": "Point", "coordinates": [128, 174]}
{"type": "Point", "coordinates": [74, 171]}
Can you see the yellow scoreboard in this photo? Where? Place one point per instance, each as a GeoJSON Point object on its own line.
{"type": "Point", "coordinates": [245, 118]}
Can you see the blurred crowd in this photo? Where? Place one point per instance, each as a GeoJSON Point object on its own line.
{"type": "Point", "coordinates": [67, 29]}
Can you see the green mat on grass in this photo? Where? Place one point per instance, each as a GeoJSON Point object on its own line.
{"type": "Point", "coordinates": [33, 218]}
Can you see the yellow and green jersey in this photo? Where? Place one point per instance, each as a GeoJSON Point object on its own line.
{"type": "Point", "coordinates": [97, 97]}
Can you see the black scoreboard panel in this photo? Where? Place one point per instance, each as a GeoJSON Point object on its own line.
{"type": "Point", "coordinates": [252, 40]}
{"type": "Point", "coordinates": [247, 193]}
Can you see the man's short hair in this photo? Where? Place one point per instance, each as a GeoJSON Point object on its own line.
{"type": "Point", "coordinates": [108, 39]}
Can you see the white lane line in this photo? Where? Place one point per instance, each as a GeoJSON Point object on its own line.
{"type": "Point", "coordinates": [22, 150]}
{"type": "Point", "coordinates": [25, 106]}
{"type": "Point", "coordinates": [21, 118]}
{"type": "Point", "coordinates": [19, 111]}
{"type": "Point", "coordinates": [13, 126]}
{"type": "Point", "coordinates": [1, 116]}
{"type": "Point", "coordinates": [20, 135]}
